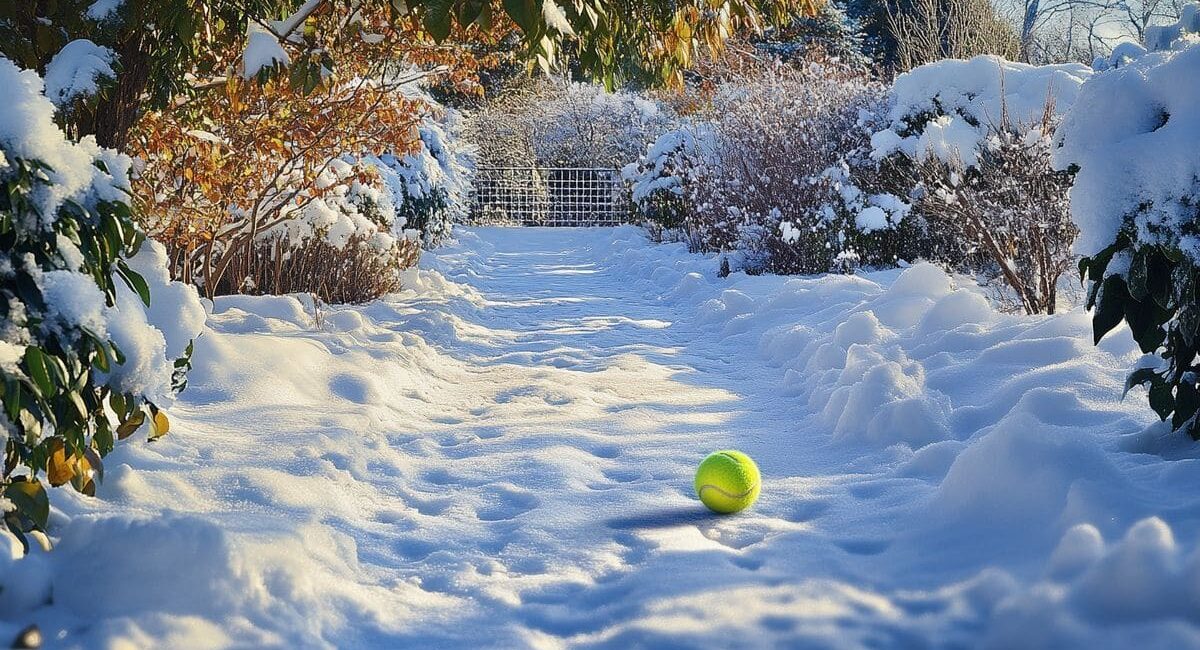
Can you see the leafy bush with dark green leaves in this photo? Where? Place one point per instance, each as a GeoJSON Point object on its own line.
{"type": "Point", "coordinates": [1154, 289]}
{"type": "Point", "coordinates": [81, 364]}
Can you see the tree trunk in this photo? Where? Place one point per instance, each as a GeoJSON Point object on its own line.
{"type": "Point", "coordinates": [118, 111]}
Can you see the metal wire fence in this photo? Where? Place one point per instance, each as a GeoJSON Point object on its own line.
{"type": "Point", "coordinates": [549, 196]}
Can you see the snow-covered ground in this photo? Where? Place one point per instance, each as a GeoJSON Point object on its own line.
{"type": "Point", "coordinates": [502, 456]}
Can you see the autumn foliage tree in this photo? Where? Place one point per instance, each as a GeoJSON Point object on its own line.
{"type": "Point", "coordinates": [258, 146]}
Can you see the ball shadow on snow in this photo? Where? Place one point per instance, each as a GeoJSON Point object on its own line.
{"type": "Point", "coordinates": [662, 518]}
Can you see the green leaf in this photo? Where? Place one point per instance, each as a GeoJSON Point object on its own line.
{"type": "Point", "coordinates": [437, 19]}
{"type": "Point", "coordinates": [37, 365]}
{"type": "Point", "coordinates": [135, 281]}
{"type": "Point", "coordinates": [468, 12]}
{"type": "Point", "coordinates": [525, 13]}
{"type": "Point", "coordinates": [1138, 273]}
{"type": "Point", "coordinates": [1140, 377]}
{"type": "Point", "coordinates": [30, 499]}
{"type": "Point", "coordinates": [1110, 309]}
{"type": "Point", "coordinates": [101, 359]}
{"type": "Point", "coordinates": [102, 439]}
{"type": "Point", "coordinates": [1162, 400]}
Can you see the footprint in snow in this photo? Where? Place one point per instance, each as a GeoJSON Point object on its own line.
{"type": "Point", "coordinates": [622, 475]}
{"type": "Point", "coordinates": [745, 562]}
{"type": "Point", "coordinates": [505, 503]}
{"type": "Point", "coordinates": [806, 510]}
{"type": "Point", "coordinates": [351, 388]}
{"type": "Point", "coordinates": [605, 451]}
{"type": "Point", "coordinates": [489, 433]}
{"type": "Point", "coordinates": [443, 477]}
{"type": "Point", "coordinates": [863, 546]}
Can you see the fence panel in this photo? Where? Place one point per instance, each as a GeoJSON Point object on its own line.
{"type": "Point", "coordinates": [549, 196]}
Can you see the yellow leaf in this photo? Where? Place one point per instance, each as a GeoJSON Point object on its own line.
{"type": "Point", "coordinates": [161, 425]}
{"type": "Point", "coordinates": [60, 468]}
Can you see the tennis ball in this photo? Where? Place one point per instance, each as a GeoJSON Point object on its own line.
{"type": "Point", "coordinates": [727, 481]}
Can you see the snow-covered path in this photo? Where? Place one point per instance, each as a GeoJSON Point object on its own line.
{"type": "Point", "coordinates": [502, 456]}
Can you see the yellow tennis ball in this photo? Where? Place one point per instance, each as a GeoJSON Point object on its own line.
{"type": "Point", "coordinates": [727, 481]}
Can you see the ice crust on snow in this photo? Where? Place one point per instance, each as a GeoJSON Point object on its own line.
{"type": "Point", "coordinates": [504, 452]}
{"type": "Point", "coordinates": [945, 108]}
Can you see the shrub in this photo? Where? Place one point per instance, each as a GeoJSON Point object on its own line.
{"type": "Point", "coordinates": [1132, 136]}
{"type": "Point", "coordinates": [552, 123]}
{"type": "Point", "coordinates": [346, 246]}
{"type": "Point", "coordinates": [970, 141]}
{"type": "Point", "coordinates": [1007, 217]}
{"type": "Point", "coordinates": [431, 186]}
{"type": "Point", "coordinates": [763, 172]}
{"type": "Point", "coordinates": [831, 32]}
{"type": "Point", "coordinates": [671, 164]}
{"type": "Point", "coordinates": [927, 31]}
{"type": "Point", "coordinates": [89, 322]}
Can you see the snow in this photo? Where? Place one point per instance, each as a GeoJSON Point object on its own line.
{"type": "Point", "coordinates": [440, 172]}
{"type": "Point", "coordinates": [664, 161]}
{"type": "Point", "coordinates": [150, 338]}
{"type": "Point", "coordinates": [76, 71]}
{"type": "Point", "coordinates": [945, 108]}
{"type": "Point", "coordinates": [1178, 34]}
{"type": "Point", "coordinates": [262, 51]}
{"type": "Point", "coordinates": [102, 10]}
{"type": "Point", "coordinates": [1133, 134]}
{"type": "Point", "coordinates": [556, 19]}
{"type": "Point", "coordinates": [503, 453]}
{"type": "Point", "coordinates": [28, 131]}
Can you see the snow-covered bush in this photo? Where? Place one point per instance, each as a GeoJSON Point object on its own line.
{"type": "Point", "coordinates": [674, 161]}
{"type": "Point", "coordinates": [431, 187]}
{"type": "Point", "coordinates": [77, 73]}
{"type": "Point", "coordinates": [1133, 137]}
{"type": "Point", "coordinates": [347, 245]}
{"type": "Point", "coordinates": [765, 172]}
{"type": "Point", "coordinates": [343, 228]}
{"type": "Point", "coordinates": [555, 123]}
{"type": "Point", "coordinates": [948, 109]}
{"type": "Point", "coordinates": [1006, 217]}
{"type": "Point", "coordinates": [969, 141]}
{"type": "Point", "coordinates": [91, 327]}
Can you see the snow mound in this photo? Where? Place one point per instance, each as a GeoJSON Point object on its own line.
{"type": "Point", "coordinates": [77, 70]}
{"type": "Point", "coordinates": [1140, 590]}
{"type": "Point", "coordinates": [945, 108]}
{"type": "Point", "coordinates": [1019, 474]}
